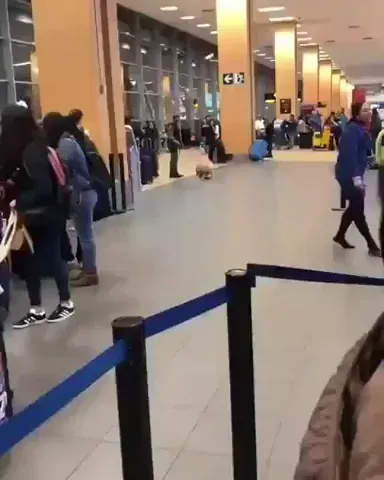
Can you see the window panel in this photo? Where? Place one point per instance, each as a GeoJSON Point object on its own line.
{"type": "Point", "coordinates": [148, 55]}
{"type": "Point", "coordinates": [22, 61]}
{"type": "Point", "coordinates": [132, 105]}
{"type": "Point", "coordinates": [151, 107]}
{"type": "Point", "coordinates": [182, 61]}
{"type": "Point", "coordinates": [131, 78]}
{"type": "Point", "coordinates": [2, 60]}
{"type": "Point", "coordinates": [127, 49]}
{"type": "Point", "coordinates": [21, 23]}
{"type": "Point", "coordinates": [166, 57]}
{"type": "Point", "coordinates": [183, 82]}
{"type": "Point", "coordinates": [3, 94]}
{"type": "Point", "coordinates": [150, 80]}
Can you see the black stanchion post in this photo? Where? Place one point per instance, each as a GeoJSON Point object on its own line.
{"type": "Point", "coordinates": [112, 171]}
{"type": "Point", "coordinates": [122, 183]}
{"type": "Point", "coordinates": [133, 401]}
{"type": "Point", "coordinates": [241, 372]}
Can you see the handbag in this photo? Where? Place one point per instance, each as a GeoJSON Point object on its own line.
{"type": "Point", "coordinates": [15, 237]}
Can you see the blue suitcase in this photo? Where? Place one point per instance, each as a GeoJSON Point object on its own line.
{"type": "Point", "coordinates": [258, 150]}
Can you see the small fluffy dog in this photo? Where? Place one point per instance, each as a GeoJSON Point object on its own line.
{"type": "Point", "coordinates": [204, 170]}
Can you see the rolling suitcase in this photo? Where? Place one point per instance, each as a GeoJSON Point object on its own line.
{"type": "Point", "coordinates": [258, 150]}
{"type": "Point", "coordinates": [146, 166]}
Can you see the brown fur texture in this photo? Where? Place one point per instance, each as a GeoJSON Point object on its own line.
{"type": "Point", "coordinates": [204, 171]}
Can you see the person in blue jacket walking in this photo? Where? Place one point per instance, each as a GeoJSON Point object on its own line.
{"type": "Point", "coordinates": [355, 146]}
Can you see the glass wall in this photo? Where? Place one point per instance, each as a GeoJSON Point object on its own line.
{"type": "Point", "coordinates": [166, 72]}
{"type": "Point", "coordinates": [18, 62]}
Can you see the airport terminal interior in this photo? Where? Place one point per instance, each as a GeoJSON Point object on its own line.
{"type": "Point", "coordinates": [248, 65]}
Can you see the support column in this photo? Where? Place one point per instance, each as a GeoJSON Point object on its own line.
{"type": "Point", "coordinates": [325, 87]}
{"type": "Point", "coordinates": [310, 72]}
{"type": "Point", "coordinates": [286, 86]}
{"type": "Point", "coordinates": [79, 66]}
{"type": "Point", "coordinates": [234, 21]}
{"type": "Point", "coordinates": [343, 92]}
{"type": "Point", "coordinates": [335, 104]}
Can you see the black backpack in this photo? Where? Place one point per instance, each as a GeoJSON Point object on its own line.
{"type": "Point", "coordinates": [100, 176]}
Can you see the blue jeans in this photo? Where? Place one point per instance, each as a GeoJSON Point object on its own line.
{"type": "Point", "coordinates": [83, 219]}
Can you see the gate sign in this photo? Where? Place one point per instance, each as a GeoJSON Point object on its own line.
{"type": "Point", "coordinates": [234, 78]}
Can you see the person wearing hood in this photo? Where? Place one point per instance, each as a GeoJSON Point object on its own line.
{"type": "Point", "coordinates": [352, 161]}
{"type": "Point", "coordinates": [26, 162]}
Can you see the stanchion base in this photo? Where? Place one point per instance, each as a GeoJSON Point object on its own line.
{"type": "Point", "coordinates": [338, 209]}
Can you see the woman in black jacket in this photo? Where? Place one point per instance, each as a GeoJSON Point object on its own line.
{"type": "Point", "coordinates": [25, 162]}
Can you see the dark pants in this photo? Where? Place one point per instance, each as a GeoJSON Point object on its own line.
{"type": "Point", "coordinates": [66, 248]}
{"type": "Point", "coordinates": [173, 169]}
{"type": "Point", "coordinates": [269, 140]}
{"type": "Point", "coordinates": [355, 214]}
{"type": "Point", "coordinates": [47, 245]}
{"type": "Point", "coordinates": [211, 151]}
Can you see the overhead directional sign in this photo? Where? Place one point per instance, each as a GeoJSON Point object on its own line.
{"type": "Point", "coordinates": [237, 78]}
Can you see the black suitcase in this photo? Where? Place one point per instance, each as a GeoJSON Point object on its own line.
{"type": "Point", "coordinates": [146, 166]}
{"type": "Point", "coordinates": [221, 154]}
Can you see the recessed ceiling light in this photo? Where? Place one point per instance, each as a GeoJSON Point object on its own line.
{"type": "Point", "coordinates": [304, 39]}
{"type": "Point", "coordinates": [187, 17]}
{"type": "Point", "coordinates": [125, 46]}
{"type": "Point", "coordinates": [256, 51]}
{"type": "Point", "coordinates": [214, 32]}
{"type": "Point", "coordinates": [281, 19]}
{"type": "Point", "coordinates": [270, 9]}
{"type": "Point", "coordinates": [298, 25]}
{"type": "Point", "coordinates": [261, 54]}
{"type": "Point", "coordinates": [169, 8]}
{"type": "Point", "coordinates": [302, 33]}
{"type": "Point", "coordinates": [203, 25]}
{"type": "Point", "coordinates": [309, 44]}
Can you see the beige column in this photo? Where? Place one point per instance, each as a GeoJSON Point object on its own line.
{"type": "Point", "coordinates": [234, 21]}
{"type": "Point", "coordinates": [325, 86]}
{"type": "Point", "coordinates": [79, 65]}
{"type": "Point", "coordinates": [335, 103]}
{"type": "Point", "coordinates": [350, 88]}
{"type": "Point", "coordinates": [310, 74]}
{"type": "Point", "coordinates": [286, 87]}
{"type": "Point", "coordinates": [343, 92]}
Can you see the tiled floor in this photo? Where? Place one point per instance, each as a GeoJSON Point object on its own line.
{"type": "Point", "coordinates": [176, 245]}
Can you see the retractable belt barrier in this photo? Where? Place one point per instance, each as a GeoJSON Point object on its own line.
{"type": "Point", "coordinates": [128, 356]}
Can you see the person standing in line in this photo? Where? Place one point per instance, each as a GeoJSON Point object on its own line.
{"type": "Point", "coordinates": [290, 128]}
{"type": "Point", "coordinates": [352, 160]}
{"type": "Point", "coordinates": [375, 127]}
{"type": "Point", "coordinates": [62, 134]}
{"type": "Point", "coordinates": [343, 119]}
{"type": "Point", "coordinates": [269, 133]}
{"type": "Point", "coordinates": [174, 145]}
{"type": "Point", "coordinates": [211, 136]}
{"type": "Point", "coordinates": [36, 175]}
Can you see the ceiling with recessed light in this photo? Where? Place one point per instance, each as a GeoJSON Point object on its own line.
{"type": "Point", "coordinates": [352, 36]}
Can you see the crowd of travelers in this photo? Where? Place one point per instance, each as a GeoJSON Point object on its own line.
{"type": "Point", "coordinates": [49, 175]}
